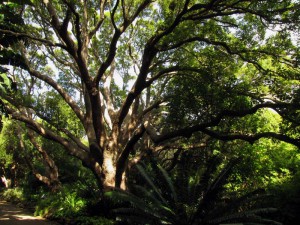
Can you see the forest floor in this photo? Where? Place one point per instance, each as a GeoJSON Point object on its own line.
{"type": "Point", "coordinates": [13, 215]}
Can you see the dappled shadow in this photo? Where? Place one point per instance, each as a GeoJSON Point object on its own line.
{"type": "Point", "coordinates": [12, 215]}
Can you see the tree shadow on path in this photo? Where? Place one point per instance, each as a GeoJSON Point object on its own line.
{"type": "Point", "coordinates": [12, 215]}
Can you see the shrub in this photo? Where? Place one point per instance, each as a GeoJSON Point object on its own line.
{"type": "Point", "coordinates": [63, 204]}
{"type": "Point", "coordinates": [86, 220]}
{"type": "Point", "coordinates": [201, 200]}
{"type": "Point", "coordinates": [15, 195]}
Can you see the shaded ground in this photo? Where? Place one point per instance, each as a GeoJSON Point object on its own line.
{"type": "Point", "coordinates": [12, 215]}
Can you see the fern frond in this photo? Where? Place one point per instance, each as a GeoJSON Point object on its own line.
{"type": "Point", "coordinates": [250, 215]}
{"type": "Point", "coordinates": [195, 188]}
{"type": "Point", "coordinates": [169, 182]}
{"type": "Point", "coordinates": [122, 196]}
{"type": "Point", "coordinates": [151, 207]}
{"type": "Point", "coordinates": [155, 204]}
{"type": "Point", "coordinates": [223, 175]}
{"type": "Point", "coordinates": [150, 183]}
{"type": "Point", "coordinates": [143, 192]}
{"type": "Point", "coordinates": [136, 216]}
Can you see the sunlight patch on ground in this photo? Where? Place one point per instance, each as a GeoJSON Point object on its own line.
{"type": "Point", "coordinates": [17, 216]}
{"type": "Point", "coordinates": [25, 217]}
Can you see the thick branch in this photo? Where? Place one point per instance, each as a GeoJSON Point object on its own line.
{"type": "Point", "coordinates": [82, 42]}
{"type": "Point", "coordinates": [150, 52]}
{"type": "Point", "coordinates": [61, 29]}
{"type": "Point", "coordinates": [101, 19]}
{"type": "Point", "coordinates": [188, 131]}
{"type": "Point", "coordinates": [121, 163]}
{"type": "Point", "coordinates": [38, 128]}
{"type": "Point", "coordinates": [253, 137]}
{"type": "Point", "coordinates": [44, 41]}
{"type": "Point", "coordinates": [107, 89]}
{"type": "Point", "coordinates": [140, 83]}
{"type": "Point", "coordinates": [118, 32]}
{"type": "Point", "coordinates": [110, 57]}
{"type": "Point", "coordinates": [60, 90]}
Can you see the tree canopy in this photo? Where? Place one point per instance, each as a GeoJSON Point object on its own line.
{"type": "Point", "coordinates": [111, 80]}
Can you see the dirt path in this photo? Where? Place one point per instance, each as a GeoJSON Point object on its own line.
{"type": "Point", "coordinates": [12, 215]}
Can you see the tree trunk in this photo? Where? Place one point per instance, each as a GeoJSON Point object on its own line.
{"type": "Point", "coordinates": [109, 170]}
{"type": "Point", "coordinates": [105, 168]}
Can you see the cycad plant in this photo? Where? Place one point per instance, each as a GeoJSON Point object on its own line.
{"type": "Point", "coordinates": [186, 199]}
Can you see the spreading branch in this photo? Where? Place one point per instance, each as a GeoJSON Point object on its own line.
{"type": "Point", "coordinates": [204, 127]}
{"type": "Point", "coordinates": [47, 133]}
{"type": "Point", "coordinates": [31, 37]}
{"type": "Point", "coordinates": [251, 138]}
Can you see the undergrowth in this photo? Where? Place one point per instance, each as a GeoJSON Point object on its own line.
{"type": "Point", "coordinates": [14, 195]}
{"type": "Point", "coordinates": [65, 206]}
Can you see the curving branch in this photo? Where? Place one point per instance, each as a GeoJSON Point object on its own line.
{"type": "Point", "coordinates": [61, 29]}
{"type": "Point", "coordinates": [47, 133]}
{"type": "Point", "coordinates": [121, 162]}
{"type": "Point", "coordinates": [59, 89]}
{"type": "Point", "coordinates": [112, 14]}
{"type": "Point", "coordinates": [204, 127]}
{"type": "Point", "coordinates": [79, 54]}
{"type": "Point", "coordinates": [118, 32]}
{"type": "Point", "coordinates": [100, 21]}
{"type": "Point", "coordinates": [169, 72]}
{"type": "Point", "coordinates": [251, 138]}
{"type": "Point", "coordinates": [31, 37]}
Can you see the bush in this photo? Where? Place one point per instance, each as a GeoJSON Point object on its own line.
{"type": "Point", "coordinates": [62, 204]}
{"type": "Point", "coordinates": [201, 198]}
{"type": "Point", "coordinates": [85, 220]}
{"type": "Point", "coordinates": [67, 207]}
{"type": "Point", "coordinates": [15, 195]}
{"type": "Point", "coordinates": [287, 197]}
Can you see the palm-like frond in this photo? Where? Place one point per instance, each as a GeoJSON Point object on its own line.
{"type": "Point", "coordinates": [148, 179]}
{"type": "Point", "coordinates": [213, 189]}
{"type": "Point", "coordinates": [169, 182]}
{"type": "Point", "coordinates": [244, 216]}
{"type": "Point", "coordinates": [148, 204]}
{"type": "Point", "coordinates": [222, 177]}
{"type": "Point", "coordinates": [161, 200]}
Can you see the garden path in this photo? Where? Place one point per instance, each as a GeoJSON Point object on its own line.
{"type": "Point", "coordinates": [13, 215]}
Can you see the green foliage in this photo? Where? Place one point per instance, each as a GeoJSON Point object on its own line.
{"type": "Point", "coordinates": [67, 206]}
{"type": "Point", "coordinates": [89, 220]}
{"type": "Point", "coordinates": [65, 203]}
{"type": "Point", "coordinates": [287, 198]}
{"type": "Point", "coordinates": [201, 57]}
{"type": "Point", "coordinates": [15, 195]}
{"type": "Point", "coordinates": [265, 164]}
{"type": "Point", "coordinates": [5, 82]}
{"type": "Point", "coordinates": [4, 154]}
{"type": "Point", "coordinates": [5, 87]}
{"type": "Point", "coordinates": [198, 198]}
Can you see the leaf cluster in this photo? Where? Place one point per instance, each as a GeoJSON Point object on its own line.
{"type": "Point", "coordinates": [199, 198]}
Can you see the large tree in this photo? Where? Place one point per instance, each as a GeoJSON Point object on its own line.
{"type": "Point", "coordinates": [133, 74]}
